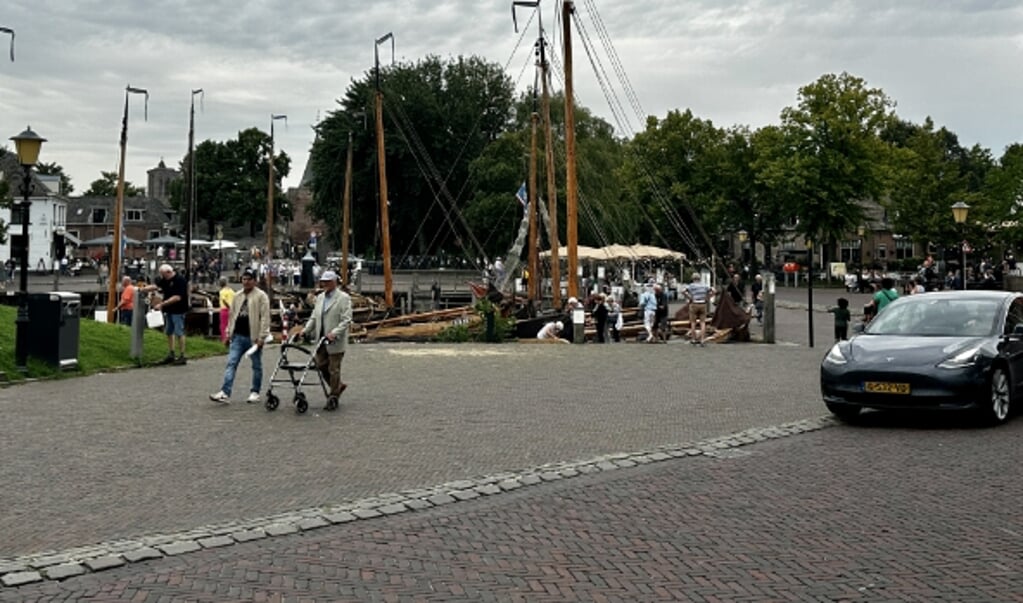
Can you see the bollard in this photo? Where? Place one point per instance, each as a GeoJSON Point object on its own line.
{"type": "Point", "coordinates": [578, 325]}
{"type": "Point", "coordinates": [769, 309]}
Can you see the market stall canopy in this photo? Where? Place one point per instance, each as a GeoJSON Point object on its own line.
{"type": "Point", "coordinates": [582, 252]}
{"type": "Point", "coordinates": [224, 245]}
{"type": "Point", "coordinates": [164, 240]}
{"type": "Point", "coordinates": [108, 240]}
{"type": "Point", "coordinates": [201, 243]}
{"type": "Point", "coordinates": [655, 253]}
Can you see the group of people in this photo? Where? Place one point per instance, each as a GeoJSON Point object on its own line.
{"type": "Point", "coordinates": [247, 330]}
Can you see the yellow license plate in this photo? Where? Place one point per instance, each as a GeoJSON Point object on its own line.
{"type": "Point", "coordinates": [884, 387]}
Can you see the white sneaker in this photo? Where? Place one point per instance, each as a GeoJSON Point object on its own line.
{"type": "Point", "coordinates": [253, 398]}
{"type": "Point", "coordinates": [220, 397]}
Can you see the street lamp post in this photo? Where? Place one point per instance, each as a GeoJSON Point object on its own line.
{"type": "Point", "coordinates": [959, 211]}
{"type": "Point", "coordinates": [27, 144]}
{"type": "Point", "coordinates": [809, 288]}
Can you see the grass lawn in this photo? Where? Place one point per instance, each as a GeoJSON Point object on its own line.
{"type": "Point", "coordinates": [101, 347]}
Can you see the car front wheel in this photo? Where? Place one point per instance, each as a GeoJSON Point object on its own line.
{"type": "Point", "coordinates": [845, 412]}
{"type": "Point", "coordinates": [999, 403]}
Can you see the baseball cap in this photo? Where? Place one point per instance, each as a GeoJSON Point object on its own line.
{"type": "Point", "coordinates": [328, 275]}
{"type": "Point", "coordinates": [249, 273]}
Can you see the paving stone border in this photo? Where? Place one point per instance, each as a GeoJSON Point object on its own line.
{"type": "Point", "coordinates": [59, 565]}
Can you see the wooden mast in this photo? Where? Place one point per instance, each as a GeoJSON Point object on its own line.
{"type": "Point", "coordinates": [533, 286]}
{"type": "Point", "coordinates": [571, 191]}
{"type": "Point", "coordinates": [385, 228]}
{"type": "Point", "coordinates": [117, 241]}
{"type": "Point", "coordinates": [552, 191]}
{"type": "Point", "coordinates": [270, 212]}
{"type": "Point", "coordinates": [346, 213]}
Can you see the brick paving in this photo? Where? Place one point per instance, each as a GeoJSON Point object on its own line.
{"type": "Point", "coordinates": [897, 509]}
{"type": "Point", "coordinates": [120, 459]}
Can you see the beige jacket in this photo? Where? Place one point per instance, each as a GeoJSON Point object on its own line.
{"type": "Point", "coordinates": [335, 316]}
{"type": "Point", "coordinates": [259, 313]}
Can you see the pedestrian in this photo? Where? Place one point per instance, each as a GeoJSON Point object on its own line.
{"type": "Point", "coordinates": [600, 314]}
{"type": "Point", "coordinates": [225, 297]}
{"type": "Point", "coordinates": [550, 331]}
{"type": "Point", "coordinates": [662, 328]}
{"type": "Point", "coordinates": [174, 304]}
{"type": "Point", "coordinates": [735, 290]}
{"type": "Point", "coordinates": [699, 295]}
{"type": "Point", "coordinates": [248, 329]}
{"type": "Point", "coordinates": [885, 295]}
{"type": "Point", "coordinates": [757, 293]}
{"type": "Point", "coordinates": [842, 318]}
{"type": "Point", "coordinates": [435, 295]}
{"type": "Point", "coordinates": [614, 318]}
{"type": "Point", "coordinates": [330, 319]}
{"type": "Point", "coordinates": [126, 305]}
{"type": "Point", "coordinates": [648, 305]}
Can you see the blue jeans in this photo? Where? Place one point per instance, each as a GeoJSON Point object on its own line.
{"type": "Point", "coordinates": [239, 345]}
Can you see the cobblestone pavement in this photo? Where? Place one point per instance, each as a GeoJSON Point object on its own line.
{"type": "Point", "coordinates": [139, 452]}
{"type": "Point", "coordinates": [899, 508]}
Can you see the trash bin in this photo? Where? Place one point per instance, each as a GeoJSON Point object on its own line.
{"type": "Point", "coordinates": [308, 281]}
{"type": "Point", "coordinates": [54, 327]}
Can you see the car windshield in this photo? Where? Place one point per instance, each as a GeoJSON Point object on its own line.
{"type": "Point", "coordinates": [937, 316]}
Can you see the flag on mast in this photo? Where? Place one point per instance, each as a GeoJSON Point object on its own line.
{"type": "Point", "coordinates": [522, 195]}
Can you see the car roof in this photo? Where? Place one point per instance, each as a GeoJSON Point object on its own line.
{"type": "Point", "coordinates": [971, 294]}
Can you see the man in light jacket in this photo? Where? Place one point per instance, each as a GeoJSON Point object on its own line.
{"type": "Point", "coordinates": [247, 328]}
{"type": "Point", "coordinates": [330, 319]}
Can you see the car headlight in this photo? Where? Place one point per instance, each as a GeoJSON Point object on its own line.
{"type": "Point", "coordinates": [967, 357]}
{"type": "Point", "coordinates": [835, 355]}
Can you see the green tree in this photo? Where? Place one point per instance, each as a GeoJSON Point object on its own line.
{"type": "Point", "coordinates": [53, 169]}
{"type": "Point", "coordinates": [231, 182]}
{"type": "Point", "coordinates": [1003, 188]}
{"type": "Point", "coordinates": [930, 172]}
{"type": "Point", "coordinates": [669, 173]}
{"type": "Point", "coordinates": [106, 186]}
{"type": "Point", "coordinates": [831, 155]}
{"type": "Point", "coordinates": [438, 117]}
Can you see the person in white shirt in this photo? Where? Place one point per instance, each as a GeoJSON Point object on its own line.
{"type": "Point", "coordinates": [550, 330]}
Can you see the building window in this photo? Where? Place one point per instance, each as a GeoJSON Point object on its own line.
{"type": "Point", "coordinates": [154, 234]}
{"type": "Point", "coordinates": [903, 249]}
{"type": "Point", "coordinates": [18, 214]}
{"type": "Point", "coordinates": [99, 216]}
{"type": "Point", "coordinates": [133, 215]}
{"type": "Point", "coordinates": [882, 252]}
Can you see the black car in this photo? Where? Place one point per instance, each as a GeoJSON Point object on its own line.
{"type": "Point", "coordinates": [956, 350]}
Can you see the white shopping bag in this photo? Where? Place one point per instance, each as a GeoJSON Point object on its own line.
{"type": "Point", "coordinates": [154, 319]}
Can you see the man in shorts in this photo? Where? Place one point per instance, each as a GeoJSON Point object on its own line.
{"type": "Point", "coordinates": [174, 303]}
{"type": "Point", "coordinates": [698, 295]}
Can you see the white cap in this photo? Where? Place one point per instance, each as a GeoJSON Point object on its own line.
{"type": "Point", "coordinates": [572, 301]}
{"type": "Point", "coordinates": [328, 275]}
{"type": "Point", "coordinates": [560, 325]}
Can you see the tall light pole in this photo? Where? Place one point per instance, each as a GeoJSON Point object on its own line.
{"type": "Point", "coordinates": [190, 206]}
{"type": "Point", "coordinates": [10, 31]}
{"type": "Point", "coordinates": [959, 211]}
{"type": "Point", "coordinates": [27, 144]}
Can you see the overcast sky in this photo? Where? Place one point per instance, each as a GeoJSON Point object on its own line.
{"type": "Point", "coordinates": [730, 61]}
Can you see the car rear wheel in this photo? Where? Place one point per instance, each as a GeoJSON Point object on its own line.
{"type": "Point", "coordinates": [845, 412]}
{"type": "Point", "coordinates": [999, 403]}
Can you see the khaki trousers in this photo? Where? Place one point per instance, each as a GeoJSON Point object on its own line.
{"type": "Point", "coordinates": [329, 366]}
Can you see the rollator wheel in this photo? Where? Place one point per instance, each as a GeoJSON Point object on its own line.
{"type": "Point", "coordinates": [272, 401]}
{"type": "Point", "coordinates": [301, 405]}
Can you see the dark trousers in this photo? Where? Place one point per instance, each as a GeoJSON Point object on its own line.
{"type": "Point", "coordinates": [841, 332]}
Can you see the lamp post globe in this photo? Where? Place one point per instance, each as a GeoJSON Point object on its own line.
{"type": "Point", "coordinates": [27, 146]}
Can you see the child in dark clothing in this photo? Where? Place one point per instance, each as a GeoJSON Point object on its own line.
{"type": "Point", "coordinates": [842, 318]}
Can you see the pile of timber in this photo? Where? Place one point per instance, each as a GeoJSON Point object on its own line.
{"type": "Point", "coordinates": [419, 327]}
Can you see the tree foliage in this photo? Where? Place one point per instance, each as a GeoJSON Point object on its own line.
{"type": "Point", "coordinates": [232, 180]}
{"type": "Point", "coordinates": [438, 117]}
{"type": "Point", "coordinates": [106, 186]}
{"type": "Point", "coordinates": [831, 155]}
{"type": "Point", "coordinates": [54, 169]}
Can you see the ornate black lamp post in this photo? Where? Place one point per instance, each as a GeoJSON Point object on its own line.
{"type": "Point", "coordinates": [27, 144]}
{"type": "Point", "coordinates": [959, 211]}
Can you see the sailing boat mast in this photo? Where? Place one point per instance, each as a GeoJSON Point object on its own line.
{"type": "Point", "coordinates": [552, 191]}
{"type": "Point", "coordinates": [385, 232]}
{"type": "Point", "coordinates": [571, 190]}
{"type": "Point", "coordinates": [346, 213]}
